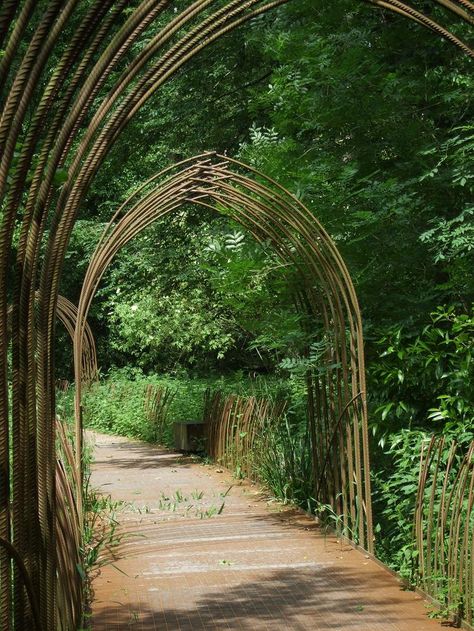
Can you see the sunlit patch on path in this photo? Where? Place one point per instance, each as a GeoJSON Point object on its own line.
{"type": "Point", "coordinates": [204, 551]}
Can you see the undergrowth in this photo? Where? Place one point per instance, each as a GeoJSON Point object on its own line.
{"type": "Point", "coordinates": [115, 405]}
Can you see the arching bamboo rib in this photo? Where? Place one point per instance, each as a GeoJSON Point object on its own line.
{"type": "Point", "coordinates": [67, 314]}
{"type": "Point", "coordinates": [18, 561]}
{"type": "Point", "coordinates": [459, 10]}
{"type": "Point", "coordinates": [412, 14]}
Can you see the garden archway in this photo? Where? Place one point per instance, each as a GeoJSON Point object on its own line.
{"type": "Point", "coordinates": [336, 389]}
{"type": "Point", "coordinates": [67, 95]}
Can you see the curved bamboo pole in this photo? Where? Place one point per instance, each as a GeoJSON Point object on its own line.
{"type": "Point", "coordinates": [66, 312]}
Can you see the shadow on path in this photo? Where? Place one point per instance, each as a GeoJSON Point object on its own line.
{"type": "Point", "coordinates": [204, 551]}
{"type": "Point", "coordinates": [324, 599]}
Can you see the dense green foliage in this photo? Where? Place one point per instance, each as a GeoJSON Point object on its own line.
{"type": "Point", "coordinates": [368, 120]}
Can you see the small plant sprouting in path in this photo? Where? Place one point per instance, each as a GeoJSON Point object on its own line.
{"type": "Point", "coordinates": [100, 528]}
{"type": "Point", "coordinates": [178, 502]}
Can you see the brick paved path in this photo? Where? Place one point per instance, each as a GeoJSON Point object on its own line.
{"type": "Point", "coordinates": [196, 558]}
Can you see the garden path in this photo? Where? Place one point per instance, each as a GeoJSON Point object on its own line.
{"type": "Point", "coordinates": [198, 556]}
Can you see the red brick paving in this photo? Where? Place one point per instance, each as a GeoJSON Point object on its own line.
{"type": "Point", "coordinates": [255, 566]}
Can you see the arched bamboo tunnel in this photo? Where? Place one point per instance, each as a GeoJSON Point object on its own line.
{"type": "Point", "coordinates": [336, 390]}
{"type": "Point", "coordinates": [63, 107]}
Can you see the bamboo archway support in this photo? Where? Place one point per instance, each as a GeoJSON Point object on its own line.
{"type": "Point", "coordinates": [67, 313]}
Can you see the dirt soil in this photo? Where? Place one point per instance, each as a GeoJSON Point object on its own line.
{"type": "Point", "coordinates": [201, 550]}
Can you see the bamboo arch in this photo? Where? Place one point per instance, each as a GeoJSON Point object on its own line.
{"type": "Point", "coordinates": [63, 107]}
{"type": "Point", "coordinates": [270, 213]}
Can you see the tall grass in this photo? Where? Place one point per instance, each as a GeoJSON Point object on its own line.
{"type": "Point", "coordinates": [284, 462]}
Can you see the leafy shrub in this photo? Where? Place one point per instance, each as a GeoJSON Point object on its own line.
{"type": "Point", "coordinates": [420, 383]}
{"type": "Point", "coordinates": [394, 493]}
{"type": "Point", "coordinates": [424, 379]}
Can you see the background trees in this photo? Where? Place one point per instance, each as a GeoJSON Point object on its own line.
{"type": "Point", "coordinates": [365, 118]}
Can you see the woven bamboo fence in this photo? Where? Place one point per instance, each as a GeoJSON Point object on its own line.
{"type": "Point", "coordinates": [444, 527]}
{"type": "Point", "coordinates": [236, 428]}
{"type": "Point", "coordinates": [157, 402]}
